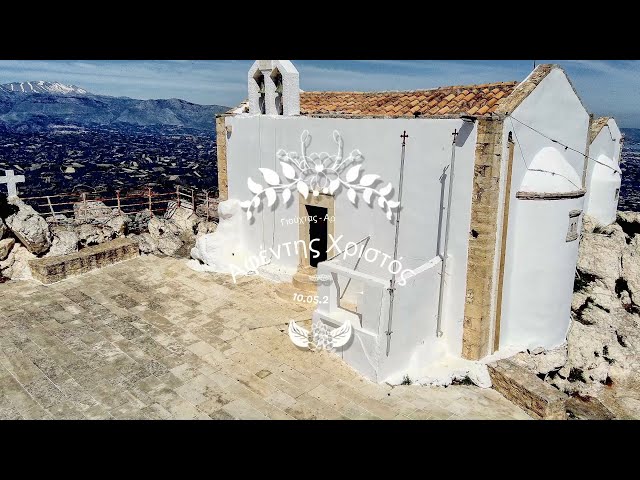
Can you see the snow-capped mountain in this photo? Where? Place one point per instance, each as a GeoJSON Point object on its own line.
{"type": "Point", "coordinates": [41, 86]}
{"type": "Point", "coordinates": [36, 105]}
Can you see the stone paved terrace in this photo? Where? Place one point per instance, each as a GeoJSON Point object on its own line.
{"type": "Point", "coordinates": [151, 339]}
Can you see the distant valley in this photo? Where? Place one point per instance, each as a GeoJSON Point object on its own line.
{"type": "Point", "coordinates": [62, 137]}
{"type": "Point", "coordinates": [30, 106]}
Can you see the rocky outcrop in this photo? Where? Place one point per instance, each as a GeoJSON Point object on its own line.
{"type": "Point", "coordinates": [29, 227]}
{"type": "Point", "coordinates": [16, 265]}
{"type": "Point", "coordinates": [630, 222]}
{"type": "Point", "coordinates": [183, 217]}
{"type": "Point", "coordinates": [208, 210]}
{"type": "Point", "coordinates": [119, 224]}
{"type": "Point", "coordinates": [64, 242]}
{"type": "Point", "coordinates": [600, 252]}
{"type": "Point", "coordinates": [602, 352]}
{"type": "Point", "coordinates": [5, 247]}
{"type": "Point", "coordinates": [146, 243]}
{"type": "Point", "coordinates": [3, 229]}
{"type": "Point", "coordinates": [166, 235]}
{"type": "Point", "coordinates": [91, 211]}
{"type": "Point", "coordinates": [630, 265]}
{"type": "Point", "coordinates": [205, 227]}
{"type": "Point", "coordinates": [139, 223]}
{"type": "Point", "coordinates": [89, 234]}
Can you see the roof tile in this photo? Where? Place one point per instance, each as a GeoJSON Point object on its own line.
{"type": "Point", "coordinates": [457, 100]}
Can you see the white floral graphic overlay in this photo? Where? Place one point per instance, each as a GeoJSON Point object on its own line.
{"type": "Point", "coordinates": [320, 337]}
{"type": "Point", "coordinates": [319, 173]}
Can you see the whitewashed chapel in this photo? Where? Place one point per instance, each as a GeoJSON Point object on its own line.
{"type": "Point", "coordinates": [492, 182]}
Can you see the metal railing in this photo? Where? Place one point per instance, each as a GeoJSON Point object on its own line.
{"type": "Point", "coordinates": [135, 201]}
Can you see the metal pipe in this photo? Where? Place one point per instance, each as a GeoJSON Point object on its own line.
{"type": "Point", "coordinates": [445, 252]}
{"type": "Point", "coordinates": [392, 282]}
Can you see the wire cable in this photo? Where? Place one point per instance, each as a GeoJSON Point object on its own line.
{"type": "Point", "coordinates": [567, 147]}
{"type": "Point", "coordinates": [536, 169]}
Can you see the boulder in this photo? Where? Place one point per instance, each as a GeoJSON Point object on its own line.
{"type": "Point", "coordinates": [29, 227]}
{"type": "Point", "coordinates": [91, 211]}
{"type": "Point", "coordinates": [587, 364]}
{"type": "Point", "coordinates": [60, 219]}
{"type": "Point", "coordinates": [166, 235]}
{"type": "Point", "coordinates": [551, 360]}
{"type": "Point", "coordinates": [147, 243]}
{"type": "Point", "coordinates": [630, 222]}
{"type": "Point", "coordinates": [599, 256]}
{"type": "Point", "coordinates": [94, 234]}
{"type": "Point", "coordinates": [209, 209]}
{"type": "Point", "coordinates": [5, 247]}
{"type": "Point", "coordinates": [140, 222]}
{"type": "Point", "coordinates": [542, 362]}
{"type": "Point", "coordinates": [16, 265]}
{"type": "Point", "coordinates": [119, 225]}
{"type": "Point", "coordinates": [64, 243]}
{"type": "Point", "coordinates": [206, 227]}
{"type": "Point", "coordinates": [3, 229]}
{"type": "Point", "coordinates": [588, 224]}
{"type": "Point", "coordinates": [183, 217]}
{"type": "Point", "coordinates": [631, 269]}
{"type": "Point", "coordinates": [169, 245]}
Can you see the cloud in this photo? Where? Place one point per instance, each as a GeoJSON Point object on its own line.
{"type": "Point", "coordinates": [607, 87]}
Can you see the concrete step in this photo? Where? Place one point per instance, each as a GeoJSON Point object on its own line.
{"type": "Point", "coordinates": [305, 280]}
{"type": "Point", "coordinates": [286, 291]}
{"type": "Point", "coordinates": [54, 269]}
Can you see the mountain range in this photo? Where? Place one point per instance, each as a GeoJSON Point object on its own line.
{"type": "Point", "coordinates": [37, 105]}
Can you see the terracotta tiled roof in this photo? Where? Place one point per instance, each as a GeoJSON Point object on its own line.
{"type": "Point", "coordinates": [470, 99]}
{"type": "Point", "coordinates": [460, 100]}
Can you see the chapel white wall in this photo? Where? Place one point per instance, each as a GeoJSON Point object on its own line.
{"type": "Point", "coordinates": [540, 263]}
{"type": "Point", "coordinates": [604, 176]}
{"type": "Point", "coordinates": [254, 142]}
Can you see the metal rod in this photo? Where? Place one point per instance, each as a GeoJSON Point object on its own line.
{"type": "Point", "coordinates": [150, 210]}
{"type": "Point", "coordinates": [392, 282]}
{"type": "Point", "coordinates": [118, 195]}
{"type": "Point", "coordinates": [53, 212]}
{"type": "Point", "coordinates": [445, 252]}
{"type": "Point", "coordinates": [207, 204]}
{"type": "Point", "coordinates": [355, 268]}
{"type": "Point", "coordinates": [356, 244]}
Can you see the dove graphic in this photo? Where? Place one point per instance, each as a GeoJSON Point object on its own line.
{"type": "Point", "coordinates": [320, 337]}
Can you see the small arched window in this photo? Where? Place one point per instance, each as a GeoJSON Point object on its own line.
{"type": "Point", "coordinates": [259, 78]}
{"type": "Point", "coordinates": [276, 76]}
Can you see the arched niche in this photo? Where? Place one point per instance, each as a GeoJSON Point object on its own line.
{"type": "Point", "coordinates": [276, 77]}
{"type": "Point", "coordinates": [550, 173]}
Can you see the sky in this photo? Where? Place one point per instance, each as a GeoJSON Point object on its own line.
{"type": "Point", "coordinates": [606, 87]}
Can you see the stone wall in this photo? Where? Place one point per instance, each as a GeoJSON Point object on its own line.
{"type": "Point", "coordinates": [221, 143]}
{"type": "Point", "coordinates": [476, 341]}
{"type": "Point", "coordinates": [53, 269]}
{"type": "Point", "coordinates": [520, 386]}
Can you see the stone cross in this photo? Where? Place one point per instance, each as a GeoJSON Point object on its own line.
{"type": "Point", "coordinates": [11, 180]}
